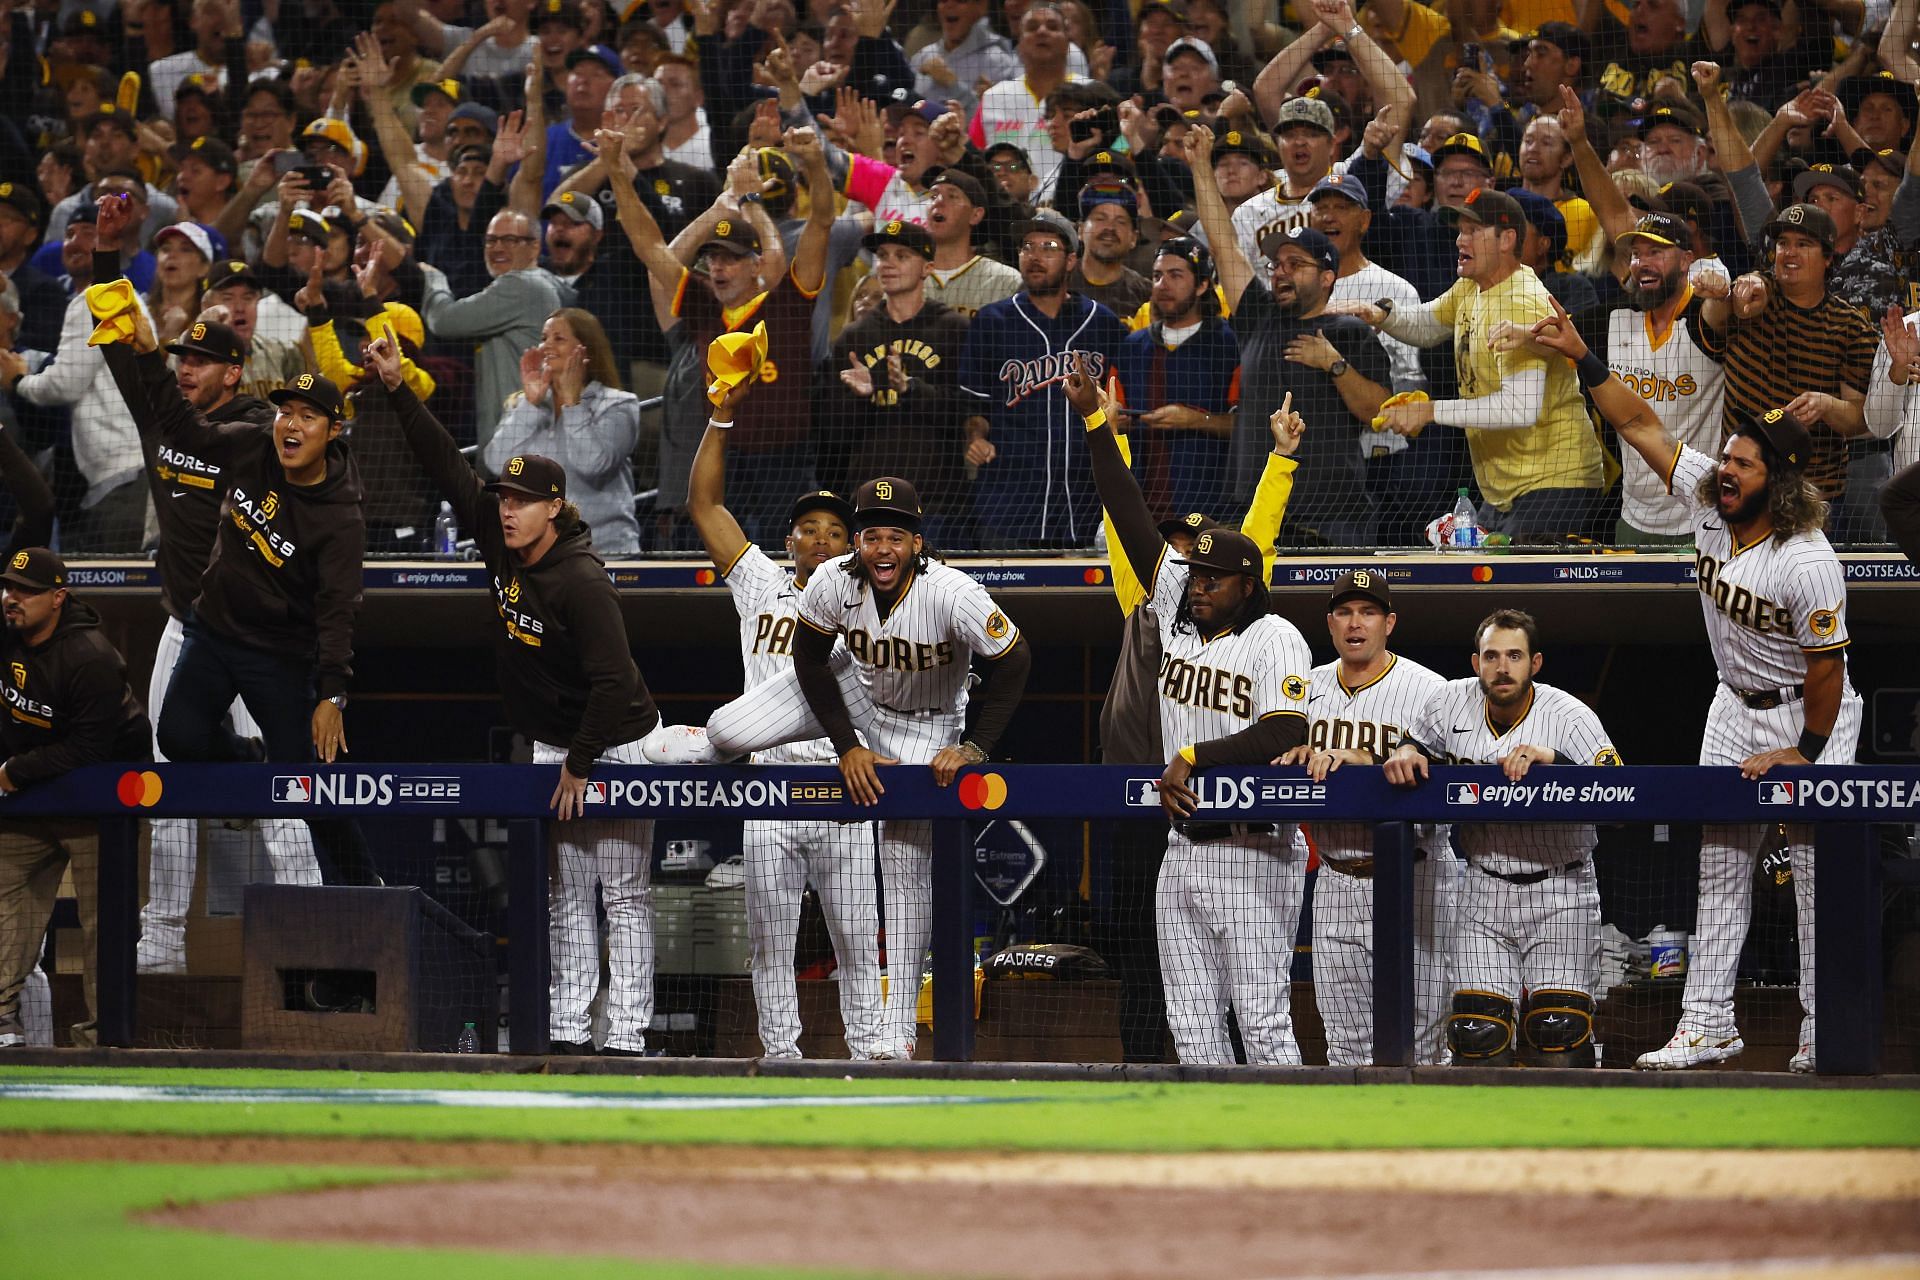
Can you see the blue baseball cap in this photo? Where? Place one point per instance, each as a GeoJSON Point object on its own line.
{"type": "Point", "coordinates": [1545, 218]}
{"type": "Point", "coordinates": [1302, 237]}
{"type": "Point", "coordinates": [1340, 184]}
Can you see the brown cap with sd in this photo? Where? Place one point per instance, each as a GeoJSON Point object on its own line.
{"type": "Point", "coordinates": [1224, 551]}
{"type": "Point", "coordinates": [533, 475]}
{"type": "Point", "coordinates": [1365, 584]}
{"type": "Point", "coordinates": [37, 569]}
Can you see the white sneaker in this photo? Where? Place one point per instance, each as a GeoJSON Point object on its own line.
{"type": "Point", "coordinates": [1691, 1049]}
{"type": "Point", "coordinates": [149, 966]}
{"type": "Point", "coordinates": [731, 874]}
{"type": "Point", "coordinates": [1802, 1062]}
{"type": "Point", "coordinates": [12, 1040]}
{"type": "Point", "coordinates": [678, 744]}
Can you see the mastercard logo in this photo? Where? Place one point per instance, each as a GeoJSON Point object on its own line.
{"type": "Point", "coordinates": [705, 577]}
{"type": "Point", "coordinates": [983, 791]}
{"type": "Point", "coordinates": [1094, 577]}
{"type": "Point", "coordinates": [1483, 573]}
{"type": "Point", "coordinates": [139, 790]}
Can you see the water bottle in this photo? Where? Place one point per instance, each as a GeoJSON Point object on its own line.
{"type": "Point", "coordinates": [1465, 535]}
{"type": "Point", "coordinates": [469, 1041]}
{"type": "Point", "coordinates": [445, 532]}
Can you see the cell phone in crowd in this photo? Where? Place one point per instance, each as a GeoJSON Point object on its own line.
{"type": "Point", "coordinates": [1104, 125]}
{"type": "Point", "coordinates": [1474, 54]}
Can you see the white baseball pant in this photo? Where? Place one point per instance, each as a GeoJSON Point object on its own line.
{"type": "Point", "coordinates": [1728, 852]}
{"type": "Point", "coordinates": [1227, 912]}
{"type": "Point", "coordinates": [1510, 938]}
{"type": "Point", "coordinates": [775, 712]}
{"type": "Point", "coordinates": [781, 857]}
{"type": "Point", "coordinates": [616, 855]}
{"type": "Point", "coordinates": [1343, 961]}
{"type": "Point", "coordinates": [175, 852]}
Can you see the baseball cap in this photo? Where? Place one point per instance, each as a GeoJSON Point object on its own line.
{"type": "Point", "coordinates": [1049, 222]}
{"type": "Point", "coordinates": [1564, 36]}
{"type": "Point", "coordinates": [1192, 252]}
{"type": "Point", "coordinates": [1172, 8]}
{"type": "Point", "coordinates": [83, 23]}
{"type": "Point", "coordinates": [904, 104]}
{"type": "Point", "coordinates": [1304, 110]}
{"type": "Point", "coordinates": [472, 151]}
{"type": "Point", "coordinates": [1545, 218]}
{"type": "Point", "coordinates": [311, 226]}
{"type": "Point", "coordinates": [1108, 190]}
{"type": "Point", "coordinates": [1488, 207]}
{"type": "Point", "coordinates": [394, 223]}
{"type": "Point", "coordinates": [1302, 237]}
{"type": "Point", "coordinates": [1857, 89]}
{"type": "Point", "coordinates": [821, 500]}
{"type": "Point", "coordinates": [1335, 52]}
{"type": "Point", "coordinates": [36, 568]}
{"type": "Point", "coordinates": [107, 113]}
{"type": "Point", "coordinates": [1339, 184]}
{"type": "Point", "coordinates": [232, 271]}
{"type": "Point", "coordinates": [1109, 164]}
{"type": "Point", "coordinates": [960, 180]}
{"type": "Point", "coordinates": [194, 234]}
{"type": "Point", "coordinates": [452, 90]}
{"type": "Point", "coordinates": [734, 236]}
{"type": "Point", "coordinates": [558, 11]}
{"type": "Point", "coordinates": [340, 134]}
{"type": "Point", "coordinates": [22, 200]}
{"type": "Point", "coordinates": [1892, 159]}
{"type": "Point", "coordinates": [316, 391]}
{"type": "Point", "coordinates": [886, 503]}
{"type": "Point", "coordinates": [1367, 584]}
{"type": "Point", "coordinates": [210, 339]}
{"type": "Point", "coordinates": [1194, 522]}
{"type": "Point", "coordinates": [1249, 144]}
{"type": "Point", "coordinates": [1838, 176]}
{"type": "Point", "coordinates": [1193, 45]}
{"type": "Point", "coordinates": [1675, 114]}
{"type": "Point", "coordinates": [1785, 436]}
{"type": "Point", "coordinates": [580, 208]}
{"type": "Point", "coordinates": [486, 117]}
{"type": "Point", "coordinates": [195, 84]}
{"type": "Point", "coordinates": [1224, 551]}
{"type": "Point", "coordinates": [1809, 219]}
{"type": "Point", "coordinates": [1018, 152]}
{"type": "Point", "coordinates": [909, 235]}
{"type": "Point", "coordinates": [84, 213]}
{"type": "Point", "coordinates": [1461, 144]}
{"type": "Point", "coordinates": [1660, 228]}
{"type": "Point", "coordinates": [776, 173]}
{"type": "Point", "coordinates": [210, 151]}
{"type": "Point", "coordinates": [598, 53]}
{"type": "Point", "coordinates": [533, 474]}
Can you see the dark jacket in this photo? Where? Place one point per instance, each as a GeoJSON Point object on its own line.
{"type": "Point", "coordinates": [68, 703]}
{"type": "Point", "coordinates": [561, 656]}
{"type": "Point", "coordinates": [285, 569]}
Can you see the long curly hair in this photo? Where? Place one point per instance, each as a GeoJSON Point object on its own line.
{"type": "Point", "coordinates": [1255, 607]}
{"type": "Point", "coordinates": [1793, 503]}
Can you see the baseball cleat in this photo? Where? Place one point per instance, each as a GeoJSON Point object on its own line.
{"type": "Point", "coordinates": [1691, 1049]}
{"type": "Point", "coordinates": [678, 744]}
{"type": "Point", "coordinates": [1802, 1063]}
{"type": "Point", "coordinates": [12, 1040]}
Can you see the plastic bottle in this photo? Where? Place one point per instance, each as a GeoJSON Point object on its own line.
{"type": "Point", "coordinates": [469, 1041]}
{"type": "Point", "coordinates": [1465, 535]}
{"type": "Point", "coordinates": [445, 532]}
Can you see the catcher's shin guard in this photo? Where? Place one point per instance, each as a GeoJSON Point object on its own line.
{"type": "Point", "coordinates": [1480, 1029]}
{"type": "Point", "coordinates": [1558, 1029]}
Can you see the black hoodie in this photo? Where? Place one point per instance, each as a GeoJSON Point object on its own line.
{"type": "Point", "coordinates": [565, 671]}
{"type": "Point", "coordinates": [285, 570]}
{"type": "Point", "coordinates": [67, 699]}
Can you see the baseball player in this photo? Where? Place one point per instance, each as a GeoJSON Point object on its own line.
{"type": "Point", "coordinates": [1775, 602]}
{"type": "Point", "coordinates": [567, 677]}
{"type": "Point", "coordinates": [187, 492]}
{"type": "Point", "coordinates": [1359, 707]}
{"type": "Point", "coordinates": [782, 856]}
{"type": "Point", "coordinates": [913, 627]}
{"type": "Point", "coordinates": [1233, 690]}
{"type": "Point", "coordinates": [1527, 910]}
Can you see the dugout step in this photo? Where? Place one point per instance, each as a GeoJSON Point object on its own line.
{"type": "Point", "coordinates": [338, 968]}
{"type": "Point", "coordinates": [171, 1011]}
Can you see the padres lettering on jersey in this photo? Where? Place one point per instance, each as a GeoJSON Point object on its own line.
{"type": "Point", "coordinates": [1669, 370]}
{"type": "Point", "coordinates": [177, 466]}
{"type": "Point", "coordinates": [1767, 604]}
{"type": "Point", "coordinates": [1022, 378]}
{"type": "Point", "coordinates": [1196, 685]}
{"type": "Point", "coordinates": [1374, 717]}
{"type": "Point", "coordinates": [768, 603]}
{"type": "Point", "coordinates": [521, 625]}
{"type": "Point", "coordinates": [253, 516]}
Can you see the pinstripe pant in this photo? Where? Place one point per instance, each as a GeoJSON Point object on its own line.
{"type": "Point", "coordinates": [1510, 938]}
{"type": "Point", "coordinates": [781, 857]}
{"type": "Point", "coordinates": [1343, 961]}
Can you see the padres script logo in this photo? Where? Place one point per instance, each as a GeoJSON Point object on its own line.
{"type": "Point", "coordinates": [199, 332]}
{"type": "Point", "coordinates": [1205, 545]}
{"type": "Point", "coordinates": [20, 560]}
{"type": "Point", "coordinates": [19, 675]}
{"type": "Point", "coordinates": [1024, 377]}
{"type": "Point", "coordinates": [1362, 579]}
{"type": "Point", "coordinates": [304, 382]}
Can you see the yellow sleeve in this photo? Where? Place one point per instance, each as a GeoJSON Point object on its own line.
{"type": "Point", "coordinates": [1127, 586]}
{"type": "Point", "coordinates": [1142, 317]}
{"type": "Point", "coordinates": [329, 357]}
{"type": "Point", "coordinates": [1270, 507]}
{"type": "Point", "coordinates": [418, 380]}
{"type": "Point", "coordinates": [1421, 28]}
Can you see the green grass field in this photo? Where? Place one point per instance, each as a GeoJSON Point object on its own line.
{"type": "Point", "coordinates": [79, 1219]}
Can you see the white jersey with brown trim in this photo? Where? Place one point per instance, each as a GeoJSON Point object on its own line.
{"type": "Point", "coordinates": [915, 656]}
{"type": "Point", "coordinates": [1215, 685]}
{"type": "Point", "coordinates": [1768, 604]}
{"type": "Point", "coordinates": [1373, 716]}
{"type": "Point", "coordinates": [768, 602]}
{"type": "Point", "coordinates": [1456, 726]}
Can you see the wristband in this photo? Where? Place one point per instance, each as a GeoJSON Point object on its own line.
{"type": "Point", "coordinates": [1811, 744]}
{"type": "Point", "coordinates": [1592, 370]}
{"type": "Point", "coordinates": [1097, 419]}
{"type": "Point", "coordinates": [1354, 32]}
{"type": "Point", "coordinates": [1186, 753]}
{"type": "Point", "coordinates": [718, 425]}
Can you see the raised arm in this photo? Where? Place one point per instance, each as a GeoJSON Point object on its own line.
{"type": "Point", "coordinates": [1896, 42]}
{"type": "Point", "coordinates": [1119, 491]}
{"type": "Point", "coordinates": [643, 233]}
{"type": "Point", "coordinates": [1276, 81]}
{"type": "Point", "coordinates": [1623, 409]}
{"type": "Point", "coordinates": [706, 484]}
{"type": "Point", "coordinates": [1596, 184]}
{"type": "Point", "coordinates": [1236, 273]}
{"type": "Point", "coordinates": [438, 453]}
{"type": "Point", "coordinates": [810, 254]}
{"type": "Point", "coordinates": [527, 192]}
{"type": "Point", "coordinates": [376, 78]}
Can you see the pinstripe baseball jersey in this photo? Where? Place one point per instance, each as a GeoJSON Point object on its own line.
{"type": "Point", "coordinates": [1685, 383]}
{"type": "Point", "coordinates": [1455, 725]}
{"type": "Point", "coordinates": [1373, 717]}
{"type": "Point", "coordinates": [1768, 604]}
{"type": "Point", "coordinates": [768, 602]}
{"type": "Point", "coordinates": [1213, 686]}
{"type": "Point", "coordinates": [915, 656]}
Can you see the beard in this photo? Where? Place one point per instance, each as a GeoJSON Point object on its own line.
{"type": "Point", "coordinates": [1507, 697]}
{"type": "Point", "coordinates": [1648, 299]}
{"type": "Point", "coordinates": [1663, 170]}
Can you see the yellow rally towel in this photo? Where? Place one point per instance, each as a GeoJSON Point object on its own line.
{"type": "Point", "coordinates": [1398, 397]}
{"type": "Point", "coordinates": [113, 304]}
{"type": "Point", "coordinates": [127, 97]}
{"type": "Point", "coordinates": [732, 356]}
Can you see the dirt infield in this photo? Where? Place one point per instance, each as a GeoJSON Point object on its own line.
{"type": "Point", "coordinates": [1038, 1217]}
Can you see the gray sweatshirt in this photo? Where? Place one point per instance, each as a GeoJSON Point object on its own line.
{"type": "Point", "coordinates": [592, 441]}
{"type": "Point", "coordinates": [502, 320]}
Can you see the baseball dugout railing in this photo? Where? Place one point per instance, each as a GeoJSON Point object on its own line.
{"type": "Point", "coordinates": [1843, 805]}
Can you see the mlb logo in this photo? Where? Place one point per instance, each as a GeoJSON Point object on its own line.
{"type": "Point", "coordinates": [596, 792]}
{"type": "Point", "coordinates": [1143, 793]}
{"type": "Point", "coordinates": [296, 788]}
{"type": "Point", "coordinates": [1463, 793]}
{"type": "Point", "coordinates": [1297, 575]}
{"type": "Point", "coordinates": [1776, 793]}
{"type": "Point", "coordinates": [1563, 573]}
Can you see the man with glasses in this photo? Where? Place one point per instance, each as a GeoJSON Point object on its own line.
{"type": "Point", "coordinates": [960, 277]}
{"type": "Point", "coordinates": [504, 318]}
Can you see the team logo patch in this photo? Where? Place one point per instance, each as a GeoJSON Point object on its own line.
{"type": "Point", "coordinates": [20, 560]}
{"type": "Point", "coordinates": [304, 382]}
{"type": "Point", "coordinates": [723, 228]}
{"type": "Point", "coordinates": [19, 675]}
{"type": "Point", "coordinates": [293, 788]}
{"type": "Point", "coordinates": [1824, 622]}
{"type": "Point", "coordinates": [596, 792]}
{"type": "Point", "coordinates": [997, 625]}
{"type": "Point", "coordinates": [270, 505]}
{"type": "Point", "coordinates": [567, 198]}
{"type": "Point", "coordinates": [1607, 756]}
{"type": "Point", "coordinates": [893, 228]}
{"type": "Point", "coordinates": [1294, 687]}
{"type": "Point", "coordinates": [513, 592]}
{"type": "Point", "coordinates": [1193, 519]}
{"type": "Point", "coordinates": [199, 332]}
{"type": "Point", "coordinates": [1205, 545]}
{"type": "Point", "coordinates": [769, 372]}
{"type": "Point", "coordinates": [1794, 215]}
{"type": "Point", "coordinates": [516, 466]}
{"type": "Point", "coordinates": [883, 491]}
{"type": "Point", "coordinates": [1362, 579]}
{"type": "Point", "coordinates": [661, 187]}
{"type": "Point", "coordinates": [1233, 138]}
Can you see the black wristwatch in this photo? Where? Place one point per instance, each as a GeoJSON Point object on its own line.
{"type": "Point", "coordinates": [1385, 305]}
{"type": "Point", "coordinates": [1337, 368]}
